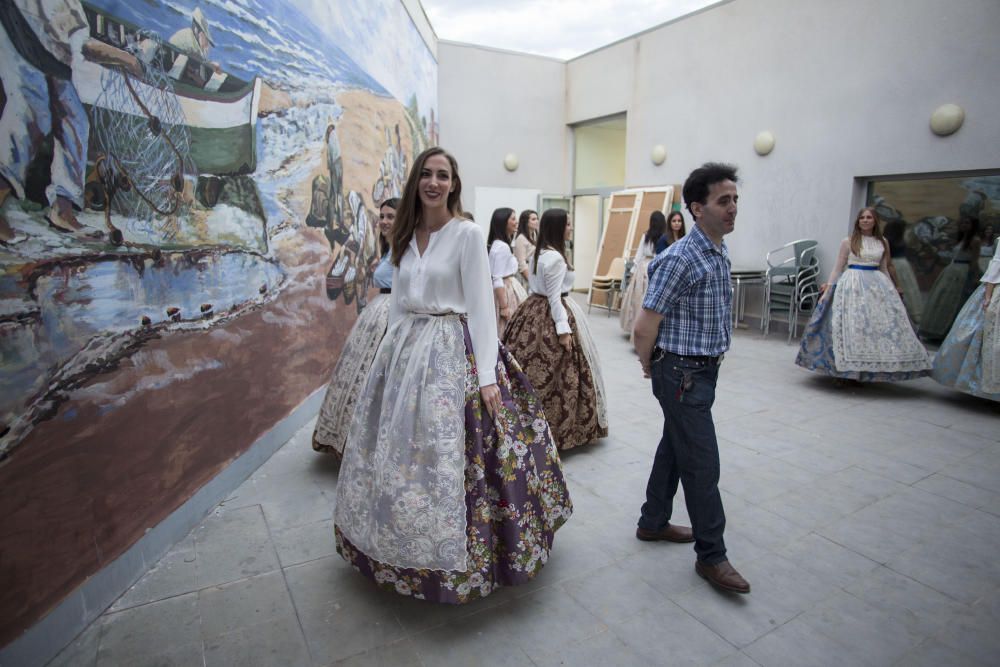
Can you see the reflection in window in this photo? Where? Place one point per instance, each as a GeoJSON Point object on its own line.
{"type": "Point", "coordinates": [941, 234]}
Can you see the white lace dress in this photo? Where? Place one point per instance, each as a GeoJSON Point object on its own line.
{"type": "Point", "coordinates": [860, 330]}
{"type": "Point", "coordinates": [870, 329]}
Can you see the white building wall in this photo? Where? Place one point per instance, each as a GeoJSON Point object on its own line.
{"type": "Point", "coordinates": [496, 102]}
{"type": "Point", "coordinates": [846, 87]}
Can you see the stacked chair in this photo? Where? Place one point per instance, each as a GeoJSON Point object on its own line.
{"type": "Point", "coordinates": [792, 283]}
{"type": "Point", "coordinates": [609, 285]}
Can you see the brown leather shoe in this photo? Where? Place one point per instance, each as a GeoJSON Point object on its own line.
{"type": "Point", "coordinates": [723, 576]}
{"type": "Point", "coordinates": [671, 533]}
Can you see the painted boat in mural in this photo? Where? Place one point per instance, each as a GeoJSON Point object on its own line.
{"type": "Point", "coordinates": [220, 109]}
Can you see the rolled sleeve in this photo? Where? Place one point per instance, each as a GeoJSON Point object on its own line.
{"type": "Point", "coordinates": [669, 279]}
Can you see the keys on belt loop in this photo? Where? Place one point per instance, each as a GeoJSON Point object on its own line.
{"type": "Point", "coordinates": [687, 381]}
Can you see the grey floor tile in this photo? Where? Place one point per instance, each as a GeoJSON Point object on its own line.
{"type": "Point", "coordinates": [666, 567]}
{"type": "Point", "coordinates": [953, 489]}
{"type": "Point", "coordinates": [739, 659]}
{"type": "Point", "coordinates": [796, 644]}
{"type": "Point", "coordinates": [974, 630]}
{"type": "Point", "coordinates": [233, 544]}
{"type": "Point", "coordinates": [905, 600]}
{"type": "Point", "coordinates": [669, 635]}
{"type": "Point", "coordinates": [933, 653]}
{"type": "Point", "coordinates": [276, 643]}
{"type": "Point", "coordinates": [601, 650]}
{"type": "Point", "coordinates": [567, 621]}
{"type": "Point", "coordinates": [612, 593]}
{"type": "Point", "coordinates": [868, 631]}
{"type": "Point", "coordinates": [247, 602]}
{"type": "Point", "coordinates": [341, 612]}
{"type": "Point", "coordinates": [176, 573]}
{"type": "Point", "coordinates": [473, 641]}
{"type": "Point", "coordinates": [834, 565]}
{"type": "Point", "coordinates": [398, 654]}
{"type": "Point", "coordinates": [780, 590]}
{"type": "Point", "coordinates": [954, 561]}
{"type": "Point", "coordinates": [299, 544]}
{"type": "Point", "coordinates": [135, 636]}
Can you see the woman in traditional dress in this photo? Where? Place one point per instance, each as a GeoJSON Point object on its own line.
{"type": "Point", "coordinates": [524, 243]}
{"type": "Point", "coordinates": [550, 338]}
{"type": "Point", "coordinates": [359, 349]}
{"type": "Point", "coordinates": [676, 229]}
{"type": "Point", "coordinates": [507, 292]}
{"type": "Point", "coordinates": [955, 282]}
{"type": "Point", "coordinates": [451, 484]}
{"type": "Point", "coordinates": [860, 330]}
{"type": "Point", "coordinates": [636, 290]}
{"type": "Point", "coordinates": [969, 357]}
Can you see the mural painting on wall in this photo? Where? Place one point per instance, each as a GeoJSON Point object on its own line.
{"type": "Point", "coordinates": [168, 167]}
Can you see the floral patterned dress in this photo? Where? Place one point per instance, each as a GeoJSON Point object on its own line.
{"type": "Point", "coordinates": [435, 499]}
{"type": "Point", "coordinates": [969, 357]}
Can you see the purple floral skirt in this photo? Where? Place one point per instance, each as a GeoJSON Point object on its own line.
{"type": "Point", "coordinates": [515, 497]}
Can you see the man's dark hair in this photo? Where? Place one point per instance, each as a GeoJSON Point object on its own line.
{"type": "Point", "coordinates": [697, 184]}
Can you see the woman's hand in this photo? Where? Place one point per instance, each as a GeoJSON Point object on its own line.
{"type": "Point", "coordinates": [491, 399]}
{"type": "Point", "coordinates": [566, 340]}
{"type": "Point", "coordinates": [506, 312]}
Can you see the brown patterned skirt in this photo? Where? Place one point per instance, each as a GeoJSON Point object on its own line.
{"type": "Point", "coordinates": [570, 390]}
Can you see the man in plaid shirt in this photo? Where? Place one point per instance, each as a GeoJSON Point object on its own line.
{"type": "Point", "coordinates": [681, 333]}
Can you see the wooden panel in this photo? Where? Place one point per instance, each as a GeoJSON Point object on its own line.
{"type": "Point", "coordinates": [613, 243]}
{"type": "Point", "coordinates": [652, 200]}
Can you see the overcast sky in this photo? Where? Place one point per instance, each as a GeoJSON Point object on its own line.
{"type": "Point", "coordinates": [559, 28]}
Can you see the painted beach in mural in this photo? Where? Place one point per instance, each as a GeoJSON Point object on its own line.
{"type": "Point", "coordinates": [187, 227]}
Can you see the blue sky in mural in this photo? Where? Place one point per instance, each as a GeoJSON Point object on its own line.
{"type": "Point", "coordinates": [380, 36]}
{"type": "Point", "coordinates": [271, 39]}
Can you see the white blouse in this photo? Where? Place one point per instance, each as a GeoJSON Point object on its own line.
{"type": "Point", "coordinates": [992, 273]}
{"type": "Point", "coordinates": [551, 278]}
{"type": "Point", "coordinates": [645, 250]}
{"type": "Point", "coordinates": [502, 262]}
{"type": "Point", "coordinates": [452, 276]}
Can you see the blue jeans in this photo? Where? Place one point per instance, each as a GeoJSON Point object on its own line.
{"type": "Point", "coordinates": [688, 452]}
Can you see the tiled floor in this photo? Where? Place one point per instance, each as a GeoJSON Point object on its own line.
{"type": "Point", "coordinates": [866, 519]}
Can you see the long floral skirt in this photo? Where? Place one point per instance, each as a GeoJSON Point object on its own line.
{"type": "Point", "coordinates": [570, 384]}
{"type": "Point", "coordinates": [634, 294]}
{"type": "Point", "coordinates": [349, 377]}
{"type": "Point", "coordinates": [436, 500]}
{"type": "Point", "coordinates": [969, 357]}
{"type": "Point", "coordinates": [515, 297]}
{"type": "Point", "coordinates": [945, 299]}
{"type": "Point", "coordinates": [868, 343]}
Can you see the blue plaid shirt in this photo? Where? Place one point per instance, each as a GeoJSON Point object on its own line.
{"type": "Point", "coordinates": [689, 285]}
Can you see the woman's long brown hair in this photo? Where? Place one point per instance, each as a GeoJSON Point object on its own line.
{"type": "Point", "coordinates": [409, 211]}
{"type": "Point", "coordinates": [856, 232]}
{"type": "Point", "coordinates": [552, 234]}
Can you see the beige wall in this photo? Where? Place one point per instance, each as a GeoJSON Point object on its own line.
{"type": "Point", "coordinates": [495, 102]}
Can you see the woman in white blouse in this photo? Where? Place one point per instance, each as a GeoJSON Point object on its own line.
{"type": "Point", "coordinates": [524, 242]}
{"type": "Point", "coordinates": [639, 281]}
{"type": "Point", "coordinates": [507, 292]}
{"type": "Point", "coordinates": [358, 352]}
{"type": "Point", "coordinates": [549, 337]}
{"type": "Point", "coordinates": [451, 484]}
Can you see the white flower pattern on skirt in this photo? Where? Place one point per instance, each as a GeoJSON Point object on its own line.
{"type": "Point", "coordinates": [871, 330]}
{"type": "Point", "coordinates": [403, 502]}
